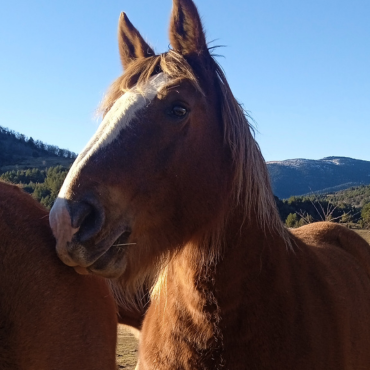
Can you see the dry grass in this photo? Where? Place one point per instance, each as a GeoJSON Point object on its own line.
{"type": "Point", "coordinates": [127, 347]}
{"type": "Point", "coordinates": [365, 234]}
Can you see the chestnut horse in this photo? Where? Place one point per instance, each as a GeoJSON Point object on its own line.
{"type": "Point", "coordinates": [50, 317]}
{"type": "Point", "coordinates": [172, 191]}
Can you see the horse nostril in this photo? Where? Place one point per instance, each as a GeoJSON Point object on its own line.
{"type": "Point", "coordinates": [80, 211]}
{"type": "Point", "coordinates": [89, 217]}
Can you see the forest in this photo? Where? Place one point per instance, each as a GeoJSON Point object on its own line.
{"type": "Point", "coordinates": [15, 147]}
{"type": "Point", "coordinates": [43, 185]}
{"type": "Point", "coordinates": [351, 206]}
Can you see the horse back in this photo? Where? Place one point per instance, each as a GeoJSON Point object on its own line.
{"type": "Point", "coordinates": [321, 234]}
{"type": "Point", "coordinates": [50, 317]}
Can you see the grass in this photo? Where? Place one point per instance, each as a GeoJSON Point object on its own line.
{"type": "Point", "coordinates": [127, 347]}
{"type": "Point", "coordinates": [365, 234]}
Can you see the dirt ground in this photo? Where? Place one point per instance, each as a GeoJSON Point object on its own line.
{"type": "Point", "coordinates": [365, 234]}
{"type": "Point", "coordinates": [127, 346]}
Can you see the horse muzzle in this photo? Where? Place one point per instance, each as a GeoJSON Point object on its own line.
{"type": "Point", "coordinates": [80, 244]}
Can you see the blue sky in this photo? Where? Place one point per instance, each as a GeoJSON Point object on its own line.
{"type": "Point", "coordinates": [301, 68]}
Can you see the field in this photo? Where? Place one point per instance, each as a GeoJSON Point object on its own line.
{"type": "Point", "coordinates": [127, 346]}
{"type": "Point", "coordinates": [365, 234]}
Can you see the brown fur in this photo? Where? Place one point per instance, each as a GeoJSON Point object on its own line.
{"type": "Point", "coordinates": [131, 45]}
{"type": "Point", "coordinates": [50, 317]}
{"type": "Point", "coordinates": [233, 288]}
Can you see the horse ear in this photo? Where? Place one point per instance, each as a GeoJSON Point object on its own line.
{"type": "Point", "coordinates": [131, 44]}
{"type": "Point", "coordinates": [186, 31]}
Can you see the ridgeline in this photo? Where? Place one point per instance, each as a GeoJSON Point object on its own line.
{"type": "Point", "coordinates": [40, 170]}
{"type": "Point", "coordinates": [18, 152]}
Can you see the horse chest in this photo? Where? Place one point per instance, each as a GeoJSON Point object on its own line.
{"type": "Point", "coordinates": [180, 332]}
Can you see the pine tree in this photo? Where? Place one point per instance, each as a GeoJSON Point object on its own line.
{"type": "Point", "coordinates": [365, 214]}
{"type": "Point", "coordinates": [292, 220]}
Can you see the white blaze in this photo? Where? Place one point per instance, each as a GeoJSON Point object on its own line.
{"type": "Point", "coordinates": [117, 119]}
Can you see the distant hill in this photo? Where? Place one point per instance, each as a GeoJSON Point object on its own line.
{"type": "Point", "coordinates": [41, 168]}
{"type": "Point", "coordinates": [344, 206]}
{"type": "Point", "coordinates": [20, 152]}
{"type": "Point", "coordinates": [304, 176]}
{"type": "Point", "coordinates": [354, 196]}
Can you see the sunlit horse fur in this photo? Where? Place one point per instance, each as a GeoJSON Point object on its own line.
{"type": "Point", "coordinates": [173, 192]}
{"type": "Point", "coordinates": [50, 317]}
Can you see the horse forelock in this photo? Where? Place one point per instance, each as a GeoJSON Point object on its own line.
{"type": "Point", "coordinates": [139, 73]}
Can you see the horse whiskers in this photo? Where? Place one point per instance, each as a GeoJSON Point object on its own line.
{"type": "Point", "coordinates": [121, 245]}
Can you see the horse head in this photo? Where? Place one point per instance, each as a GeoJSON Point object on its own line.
{"type": "Point", "coordinates": [157, 172]}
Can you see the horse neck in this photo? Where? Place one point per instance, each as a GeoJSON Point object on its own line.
{"type": "Point", "coordinates": [199, 304]}
{"type": "Point", "coordinates": [252, 259]}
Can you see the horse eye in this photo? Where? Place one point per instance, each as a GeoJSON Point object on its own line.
{"type": "Point", "coordinates": [179, 111]}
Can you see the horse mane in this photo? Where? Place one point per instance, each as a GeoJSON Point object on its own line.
{"type": "Point", "coordinates": [141, 70]}
{"type": "Point", "coordinates": [250, 186]}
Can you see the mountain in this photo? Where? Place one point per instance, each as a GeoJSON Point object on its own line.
{"type": "Point", "coordinates": [291, 177]}
{"type": "Point", "coordinates": [20, 152]}
{"type": "Point", "coordinates": [304, 176]}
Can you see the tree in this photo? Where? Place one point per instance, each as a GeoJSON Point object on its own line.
{"type": "Point", "coordinates": [346, 218]}
{"type": "Point", "coordinates": [54, 180]}
{"type": "Point", "coordinates": [31, 142]}
{"type": "Point", "coordinates": [292, 220]}
{"type": "Point", "coordinates": [365, 214]}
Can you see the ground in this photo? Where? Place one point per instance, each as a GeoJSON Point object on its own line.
{"type": "Point", "coordinates": [127, 346]}
{"type": "Point", "coordinates": [365, 234]}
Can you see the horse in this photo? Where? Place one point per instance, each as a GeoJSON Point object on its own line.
{"type": "Point", "coordinates": [173, 192]}
{"type": "Point", "coordinates": [50, 317]}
